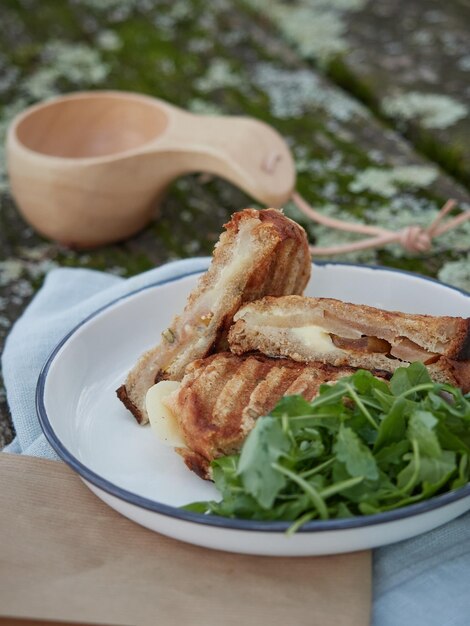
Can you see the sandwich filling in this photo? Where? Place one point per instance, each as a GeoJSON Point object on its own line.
{"type": "Point", "coordinates": [163, 421]}
{"type": "Point", "coordinates": [314, 337]}
{"type": "Point", "coordinates": [190, 331]}
{"type": "Point", "coordinates": [321, 340]}
{"type": "Point", "coordinates": [341, 333]}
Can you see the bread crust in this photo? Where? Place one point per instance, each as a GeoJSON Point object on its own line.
{"type": "Point", "coordinates": [121, 393]}
{"type": "Point", "coordinates": [267, 325]}
{"type": "Point", "coordinates": [260, 252]}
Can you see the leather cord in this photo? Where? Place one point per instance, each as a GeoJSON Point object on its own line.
{"type": "Point", "coordinates": [414, 239]}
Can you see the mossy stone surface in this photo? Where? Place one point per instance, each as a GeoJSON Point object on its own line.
{"type": "Point", "coordinates": [232, 59]}
{"type": "Point", "coordinates": [408, 61]}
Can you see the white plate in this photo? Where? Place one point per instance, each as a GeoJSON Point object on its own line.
{"type": "Point", "coordinates": [124, 464]}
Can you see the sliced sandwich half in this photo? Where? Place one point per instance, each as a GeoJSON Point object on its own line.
{"type": "Point", "coordinates": [260, 253]}
{"type": "Point", "coordinates": [210, 413]}
{"type": "Point", "coordinates": [340, 333]}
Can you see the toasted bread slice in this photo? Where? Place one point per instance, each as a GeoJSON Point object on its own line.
{"type": "Point", "coordinates": [221, 396]}
{"type": "Point", "coordinates": [340, 333]}
{"type": "Point", "coordinates": [260, 253]}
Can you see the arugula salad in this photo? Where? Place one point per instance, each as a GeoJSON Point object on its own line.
{"type": "Point", "coordinates": [362, 446]}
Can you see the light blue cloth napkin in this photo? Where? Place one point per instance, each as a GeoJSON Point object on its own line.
{"type": "Point", "coordinates": [66, 298]}
{"type": "Point", "coordinates": [419, 582]}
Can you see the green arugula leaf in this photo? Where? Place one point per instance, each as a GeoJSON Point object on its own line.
{"type": "Point", "coordinates": [355, 455]}
{"type": "Point", "coordinates": [224, 472]}
{"type": "Point", "coordinates": [293, 509]}
{"type": "Point", "coordinates": [409, 476]}
{"type": "Point", "coordinates": [464, 473]}
{"type": "Point", "coordinates": [392, 454]}
{"type": "Point", "coordinates": [365, 382]}
{"type": "Point", "coordinates": [393, 427]}
{"type": "Point", "coordinates": [449, 440]}
{"type": "Point", "coordinates": [366, 508]}
{"type": "Point", "coordinates": [453, 403]}
{"type": "Point", "coordinates": [241, 505]}
{"type": "Point", "coordinates": [197, 507]}
{"type": "Point", "coordinates": [264, 446]}
{"type": "Point", "coordinates": [361, 447]}
{"type": "Point", "coordinates": [405, 378]}
{"type": "Point", "coordinates": [328, 417]}
{"type": "Point", "coordinates": [342, 510]}
{"type": "Point", "coordinates": [434, 470]}
{"type": "Point", "coordinates": [292, 406]}
{"type": "Point", "coordinates": [421, 427]}
{"type": "Point", "coordinates": [385, 399]}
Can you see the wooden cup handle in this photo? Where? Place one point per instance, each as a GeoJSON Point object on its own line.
{"type": "Point", "coordinates": [245, 151]}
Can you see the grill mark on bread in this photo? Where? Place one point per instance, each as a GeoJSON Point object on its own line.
{"type": "Point", "coordinates": [209, 378]}
{"type": "Point", "coordinates": [302, 383]}
{"type": "Point", "coordinates": [264, 396]}
{"type": "Point", "coordinates": [280, 281]}
{"type": "Point", "coordinates": [222, 396]}
{"type": "Point", "coordinates": [237, 391]}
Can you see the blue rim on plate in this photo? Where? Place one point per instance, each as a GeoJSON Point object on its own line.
{"type": "Point", "coordinates": [213, 520]}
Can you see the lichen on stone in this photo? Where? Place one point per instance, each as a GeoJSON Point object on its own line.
{"type": "Point", "coordinates": [19, 274]}
{"type": "Point", "coordinates": [219, 74]}
{"type": "Point", "coordinates": [292, 93]}
{"type": "Point", "coordinates": [436, 111]}
{"type": "Point", "coordinates": [318, 35]}
{"type": "Point", "coordinates": [117, 271]}
{"type": "Point", "coordinates": [317, 28]}
{"type": "Point", "coordinates": [10, 271]}
{"type": "Point", "coordinates": [8, 113]}
{"type": "Point", "coordinates": [108, 40]}
{"type": "Point", "coordinates": [456, 273]}
{"type": "Point", "coordinates": [423, 37]}
{"type": "Point", "coordinates": [37, 253]}
{"type": "Point", "coordinates": [456, 240]}
{"type": "Point", "coordinates": [464, 63]}
{"type": "Point", "coordinates": [116, 10]}
{"type": "Point", "coordinates": [199, 44]}
{"type": "Point", "coordinates": [8, 74]}
{"type": "Point", "coordinates": [204, 107]}
{"type": "Point", "coordinates": [387, 182]}
{"type": "Point", "coordinates": [76, 63]}
{"type": "Point", "coordinates": [5, 323]}
{"type": "Point", "coordinates": [106, 5]}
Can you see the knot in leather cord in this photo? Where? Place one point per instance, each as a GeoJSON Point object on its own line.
{"type": "Point", "coordinates": [414, 239]}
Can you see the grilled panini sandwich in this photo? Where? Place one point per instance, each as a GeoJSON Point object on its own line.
{"type": "Point", "coordinates": [210, 413]}
{"type": "Point", "coordinates": [260, 253]}
{"type": "Point", "coordinates": [340, 333]}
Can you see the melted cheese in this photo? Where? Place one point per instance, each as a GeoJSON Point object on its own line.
{"type": "Point", "coordinates": [314, 337]}
{"type": "Point", "coordinates": [230, 276]}
{"type": "Point", "coordinates": [235, 269]}
{"type": "Point", "coordinates": [164, 424]}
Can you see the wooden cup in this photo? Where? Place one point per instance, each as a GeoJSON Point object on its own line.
{"type": "Point", "coordinates": [88, 169]}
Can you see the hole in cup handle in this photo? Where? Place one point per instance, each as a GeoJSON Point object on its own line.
{"type": "Point", "coordinates": [270, 162]}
